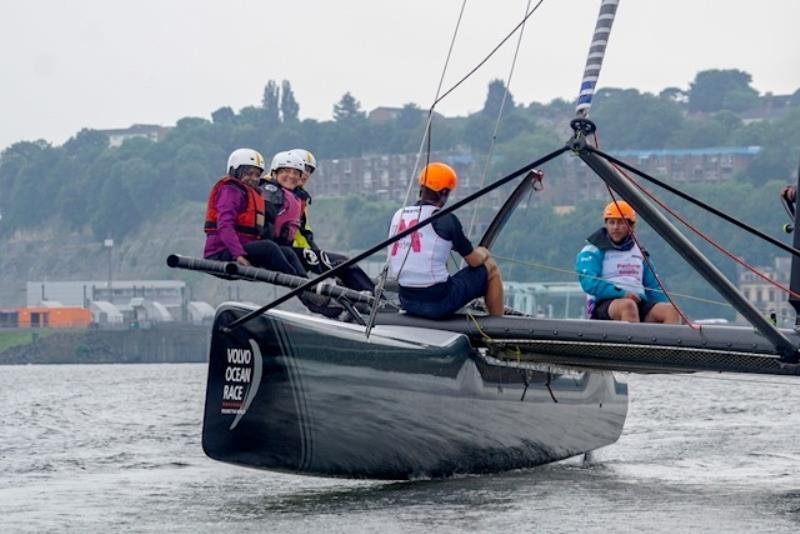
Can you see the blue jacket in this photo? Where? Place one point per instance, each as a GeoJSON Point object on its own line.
{"type": "Point", "coordinates": [589, 266]}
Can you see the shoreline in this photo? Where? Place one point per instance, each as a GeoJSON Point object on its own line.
{"type": "Point", "coordinates": [174, 343]}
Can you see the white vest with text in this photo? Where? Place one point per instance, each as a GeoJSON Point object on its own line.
{"type": "Point", "coordinates": [419, 259]}
{"type": "Point", "coordinates": [625, 269]}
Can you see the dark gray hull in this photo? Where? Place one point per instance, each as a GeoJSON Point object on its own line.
{"type": "Point", "coordinates": [307, 395]}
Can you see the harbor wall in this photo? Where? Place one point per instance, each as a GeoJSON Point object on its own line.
{"type": "Point", "coordinates": [173, 343]}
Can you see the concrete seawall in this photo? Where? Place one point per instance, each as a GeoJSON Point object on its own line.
{"type": "Point", "coordinates": [163, 343]}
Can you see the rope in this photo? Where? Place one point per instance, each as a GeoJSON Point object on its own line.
{"type": "Point", "coordinates": [497, 122]}
{"type": "Point", "coordinates": [495, 49]}
{"type": "Point", "coordinates": [426, 137]}
{"type": "Point", "coordinates": [426, 133]}
{"type": "Point", "coordinates": [483, 334]}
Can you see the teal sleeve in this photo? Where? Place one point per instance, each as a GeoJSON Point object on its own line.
{"type": "Point", "coordinates": [589, 266]}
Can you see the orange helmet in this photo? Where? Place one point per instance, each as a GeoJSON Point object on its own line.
{"type": "Point", "coordinates": [438, 176]}
{"type": "Point", "coordinates": [619, 210]}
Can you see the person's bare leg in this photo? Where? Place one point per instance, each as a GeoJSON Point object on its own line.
{"type": "Point", "coordinates": [494, 289]}
{"type": "Point", "coordinates": [624, 310]}
{"type": "Point", "coordinates": [663, 312]}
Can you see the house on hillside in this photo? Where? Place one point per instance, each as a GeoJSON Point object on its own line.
{"type": "Point", "coordinates": [117, 136]}
{"type": "Point", "coordinates": [385, 114]}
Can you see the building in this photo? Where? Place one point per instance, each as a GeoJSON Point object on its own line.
{"type": "Point", "coordinates": [153, 132]}
{"type": "Point", "coordinates": [764, 296]}
{"type": "Point", "coordinates": [123, 296]}
{"type": "Point", "coordinates": [53, 317]}
{"type": "Point", "coordinates": [385, 114]}
{"type": "Point", "coordinates": [387, 177]}
{"type": "Point", "coordinates": [770, 108]}
{"type": "Point", "coordinates": [674, 166]}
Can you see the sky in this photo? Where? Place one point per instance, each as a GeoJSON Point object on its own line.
{"type": "Point", "coordinates": [68, 65]}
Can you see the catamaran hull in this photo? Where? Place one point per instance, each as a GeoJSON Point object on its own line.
{"type": "Point", "coordinates": [305, 395]}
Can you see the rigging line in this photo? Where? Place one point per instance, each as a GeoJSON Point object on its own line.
{"type": "Point", "coordinates": [703, 236]}
{"type": "Point", "coordinates": [426, 137]}
{"type": "Point", "coordinates": [707, 207]}
{"type": "Point", "coordinates": [496, 48]}
{"type": "Point", "coordinates": [572, 272]}
{"type": "Point", "coordinates": [499, 118]}
{"type": "Point", "coordinates": [427, 130]}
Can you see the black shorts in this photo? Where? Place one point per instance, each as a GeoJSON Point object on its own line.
{"type": "Point", "coordinates": [445, 298]}
{"type": "Point", "coordinates": [600, 311]}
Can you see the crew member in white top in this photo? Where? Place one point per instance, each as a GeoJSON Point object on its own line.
{"type": "Point", "coordinates": [614, 274]}
{"type": "Point", "coordinates": [419, 260]}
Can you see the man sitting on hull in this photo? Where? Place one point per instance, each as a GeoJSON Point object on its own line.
{"type": "Point", "coordinates": [419, 260]}
{"type": "Point", "coordinates": [613, 272]}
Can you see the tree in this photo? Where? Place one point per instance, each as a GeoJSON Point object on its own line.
{"type": "Point", "coordinates": [86, 145]}
{"type": "Point", "coordinates": [289, 106]}
{"type": "Point", "coordinates": [223, 115]}
{"type": "Point", "coordinates": [347, 108]}
{"type": "Point", "coordinates": [795, 99]}
{"type": "Point", "coordinates": [710, 88]}
{"type": "Point", "coordinates": [115, 213]}
{"type": "Point", "coordinates": [674, 94]}
{"type": "Point", "coordinates": [629, 119]}
{"type": "Point", "coordinates": [494, 99]}
{"type": "Point", "coordinates": [271, 103]}
{"type": "Point", "coordinates": [410, 116]}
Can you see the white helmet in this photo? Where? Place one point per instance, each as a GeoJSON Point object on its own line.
{"type": "Point", "coordinates": [245, 156]}
{"type": "Point", "coordinates": [308, 157]}
{"type": "Point", "coordinates": [289, 160]}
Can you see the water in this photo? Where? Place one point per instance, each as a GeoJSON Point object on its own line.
{"type": "Point", "coordinates": [94, 448]}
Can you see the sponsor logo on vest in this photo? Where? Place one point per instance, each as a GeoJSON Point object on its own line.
{"type": "Point", "coordinates": [629, 269]}
{"type": "Point", "coordinates": [416, 242]}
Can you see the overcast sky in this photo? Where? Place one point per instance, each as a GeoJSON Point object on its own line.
{"type": "Point", "coordinates": [67, 65]}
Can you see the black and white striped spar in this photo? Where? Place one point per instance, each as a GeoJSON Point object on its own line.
{"type": "Point", "coordinates": [597, 51]}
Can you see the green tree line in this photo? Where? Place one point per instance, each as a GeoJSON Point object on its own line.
{"type": "Point", "coordinates": [85, 184]}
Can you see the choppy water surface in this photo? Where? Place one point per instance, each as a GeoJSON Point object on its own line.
{"type": "Point", "coordinates": [98, 447]}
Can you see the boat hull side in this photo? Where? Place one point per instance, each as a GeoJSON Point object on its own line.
{"type": "Point", "coordinates": [317, 398]}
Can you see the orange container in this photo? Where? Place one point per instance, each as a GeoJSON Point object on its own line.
{"type": "Point", "coordinates": [54, 317]}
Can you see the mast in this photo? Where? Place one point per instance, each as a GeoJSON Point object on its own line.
{"type": "Point", "coordinates": [597, 51]}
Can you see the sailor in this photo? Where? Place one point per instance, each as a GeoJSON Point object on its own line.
{"type": "Point", "coordinates": [612, 270]}
{"type": "Point", "coordinates": [283, 208]}
{"type": "Point", "coordinates": [315, 259]}
{"type": "Point", "coordinates": [235, 216]}
{"type": "Point", "coordinates": [419, 260]}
